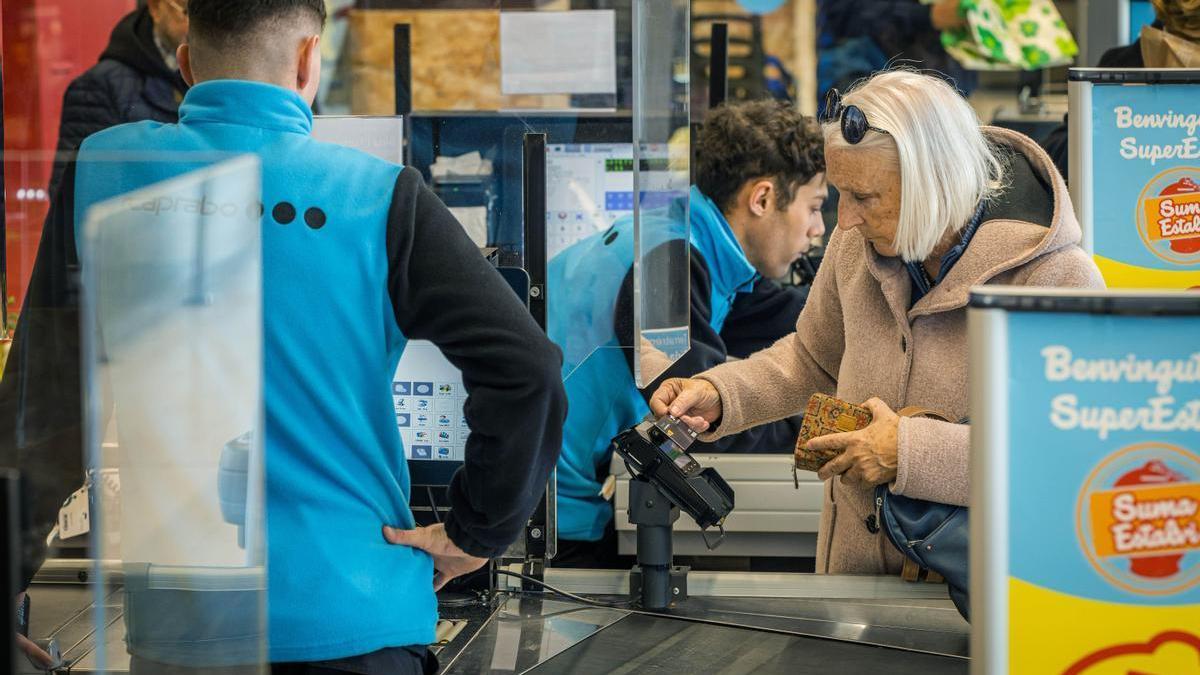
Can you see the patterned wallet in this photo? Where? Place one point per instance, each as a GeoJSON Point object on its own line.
{"type": "Point", "coordinates": [826, 415]}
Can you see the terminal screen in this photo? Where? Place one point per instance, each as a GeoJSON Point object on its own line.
{"type": "Point", "coordinates": [428, 395]}
{"type": "Point", "coordinates": [590, 185]}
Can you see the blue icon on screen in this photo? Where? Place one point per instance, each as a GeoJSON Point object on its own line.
{"type": "Point", "coordinates": [422, 452]}
{"type": "Point", "coordinates": [402, 388]}
{"type": "Point", "coordinates": [443, 453]}
{"type": "Point", "coordinates": [403, 420]}
{"type": "Point", "coordinates": [422, 388]}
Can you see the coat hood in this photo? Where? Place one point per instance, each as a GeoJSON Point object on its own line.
{"type": "Point", "coordinates": [1032, 217]}
{"type": "Point", "coordinates": [132, 43]}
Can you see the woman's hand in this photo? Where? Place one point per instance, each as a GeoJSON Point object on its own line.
{"type": "Point", "coordinates": [695, 402]}
{"type": "Point", "coordinates": [869, 455]}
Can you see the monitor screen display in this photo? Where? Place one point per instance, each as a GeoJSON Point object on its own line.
{"type": "Point", "coordinates": [590, 185]}
{"type": "Point", "coordinates": [428, 395]}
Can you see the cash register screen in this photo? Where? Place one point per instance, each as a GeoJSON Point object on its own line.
{"type": "Point", "coordinates": [428, 395]}
{"type": "Point", "coordinates": [590, 185]}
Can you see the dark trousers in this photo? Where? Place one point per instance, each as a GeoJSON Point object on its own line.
{"type": "Point", "coordinates": [398, 660]}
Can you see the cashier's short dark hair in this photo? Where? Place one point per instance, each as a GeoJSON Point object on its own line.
{"type": "Point", "coordinates": [758, 139]}
{"type": "Point", "coordinates": [222, 20]}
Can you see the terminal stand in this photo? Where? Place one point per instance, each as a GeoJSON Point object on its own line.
{"type": "Point", "coordinates": [654, 581]}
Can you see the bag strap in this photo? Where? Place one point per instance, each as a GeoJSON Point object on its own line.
{"type": "Point", "coordinates": [912, 571]}
{"type": "Point", "coordinates": [918, 411]}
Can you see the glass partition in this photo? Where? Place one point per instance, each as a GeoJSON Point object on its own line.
{"type": "Point", "coordinates": [661, 279]}
{"type": "Point", "coordinates": [172, 345]}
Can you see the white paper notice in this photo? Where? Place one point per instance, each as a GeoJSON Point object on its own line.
{"type": "Point", "coordinates": [474, 221]}
{"type": "Point", "coordinates": [558, 52]}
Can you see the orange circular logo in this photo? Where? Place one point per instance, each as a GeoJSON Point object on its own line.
{"type": "Point", "coordinates": [1138, 519]}
{"type": "Point", "coordinates": [1168, 215]}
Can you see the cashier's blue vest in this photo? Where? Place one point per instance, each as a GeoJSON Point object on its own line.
{"type": "Point", "coordinates": [335, 465]}
{"type": "Point", "coordinates": [583, 283]}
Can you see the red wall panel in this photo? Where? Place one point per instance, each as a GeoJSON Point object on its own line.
{"type": "Point", "coordinates": [46, 44]}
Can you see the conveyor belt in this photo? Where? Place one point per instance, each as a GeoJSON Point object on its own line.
{"type": "Point", "coordinates": [644, 644]}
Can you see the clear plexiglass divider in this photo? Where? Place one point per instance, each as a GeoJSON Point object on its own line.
{"type": "Point", "coordinates": [606, 83]}
{"type": "Point", "coordinates": [662, 134]}
{"type": "Point", "coordinates": [172, 369]}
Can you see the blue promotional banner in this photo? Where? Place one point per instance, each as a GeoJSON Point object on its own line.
{"type": "Point", "coordinates": [1104, 493]}
{"type": "Point", "coordinates": [1146, 184]}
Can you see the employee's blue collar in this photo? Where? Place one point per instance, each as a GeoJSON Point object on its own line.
{"type": "Point", "coordinates": [713, 236]}
{"type": "Point", "coordinates": [254, 104]}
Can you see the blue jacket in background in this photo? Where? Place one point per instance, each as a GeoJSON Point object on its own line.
{"type": "Point", "coordinates": [584, 284]}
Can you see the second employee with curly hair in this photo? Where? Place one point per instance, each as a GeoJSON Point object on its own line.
{"type": "Point", "coordinates": [754, 210]}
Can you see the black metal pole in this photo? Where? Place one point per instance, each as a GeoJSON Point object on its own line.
{"type": "Point", "coordinates": [402, 67]}
{"type": "Point", "coordinates": [533, 194]}
{"type": "Point", "coordinates": [402, 76]}
{"type": "Point", "coordinates": [655, 516]}
{"type": "Point", "coordinates": [533, 186]}
{"type": "Point", "coordinates": [718, 65]}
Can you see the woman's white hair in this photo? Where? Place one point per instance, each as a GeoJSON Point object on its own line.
{"type": "Point", "coordinates": [947, 166]}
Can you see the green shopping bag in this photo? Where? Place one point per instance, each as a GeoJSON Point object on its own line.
{"type": "Point", "coordinates": [1011, 35]}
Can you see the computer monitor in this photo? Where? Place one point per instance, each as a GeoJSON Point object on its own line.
{"type": "Point", "coordinates": [428, 394]}
{"type": "Point", "coordinates": [498, 137]}
{"type": "Point", "coordinates": [428, 397]}
{"type": "Point", "coordinates": [590, 185]}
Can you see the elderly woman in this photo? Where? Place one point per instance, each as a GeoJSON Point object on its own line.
{"type": "Point", "coordinates": [931, 204]}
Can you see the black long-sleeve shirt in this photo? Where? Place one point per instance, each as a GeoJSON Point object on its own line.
{"type": "Point", "coordinates": [445, 292]}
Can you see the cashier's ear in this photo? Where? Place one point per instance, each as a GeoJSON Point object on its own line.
{"type": "Point", "coordinates": [762, 197]}
{"type": "Point", "coordinates": [184, 55]}
{"type": "Point", "coordinates": [308, 71]}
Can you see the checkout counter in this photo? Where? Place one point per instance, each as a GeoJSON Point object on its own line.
{"type": "Point", "coordinates": [732, 622]}
{"type": "Point", "coordinates": [602, 620]}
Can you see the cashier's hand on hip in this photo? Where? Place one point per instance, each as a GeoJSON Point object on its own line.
{"type": "Point", "coordinates": [449, 561]}
{"type": "Point", "coordinates": [869, 456]}
{"type": "Point", "coordinates": [695, 402]}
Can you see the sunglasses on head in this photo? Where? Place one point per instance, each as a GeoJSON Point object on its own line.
{"type": "Point", "coordinates": [851, 118]}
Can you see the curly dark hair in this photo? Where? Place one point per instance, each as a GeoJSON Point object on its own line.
{"type": "Point", "coordinates": [221, 20]}
{"type": "Point", "coordinates": [744, 141]}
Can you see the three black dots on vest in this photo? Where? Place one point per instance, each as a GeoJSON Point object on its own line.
{"type": "Point", "coordinates": [284, 213]}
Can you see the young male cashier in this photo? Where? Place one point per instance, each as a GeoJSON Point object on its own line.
{"type": "Point", "coordinates": [755, 208]}
{"type": "Point", "coordinates": [358, 257]}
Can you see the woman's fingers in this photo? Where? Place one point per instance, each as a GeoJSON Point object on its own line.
{"type": "Point", "coordinates": [697, 424]}
{"type": "Point", "coordinates": [835, 466]}
{"type": "Point", "coordinates": [661, 400]}
{"type": "Point", "coordinates": [695, 402]}
{"type": "Point", "coordinates": [879, 409]}
{"type": "Point", "coordinates": [830, 442]}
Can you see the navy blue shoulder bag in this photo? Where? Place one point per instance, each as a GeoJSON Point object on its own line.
{"type": "Point", "coordinates": [931, 534]}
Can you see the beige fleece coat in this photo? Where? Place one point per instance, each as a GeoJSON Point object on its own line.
{"type": "Point", "coordinates": [858, 338]}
